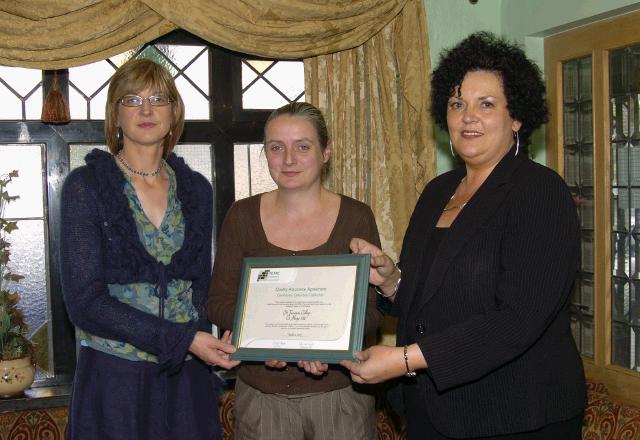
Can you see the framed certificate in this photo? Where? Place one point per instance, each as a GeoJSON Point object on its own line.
{"type": "Point", "coordinates": [309, 308]}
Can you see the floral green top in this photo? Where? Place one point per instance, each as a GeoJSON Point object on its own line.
{"type": "Point", "coordinates": [161, 243]}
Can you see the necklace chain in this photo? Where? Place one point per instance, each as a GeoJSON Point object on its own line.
{"type": "Point", "coordinates": [452, 207]}
{"type": "Point", "coordinates": [134, 171]}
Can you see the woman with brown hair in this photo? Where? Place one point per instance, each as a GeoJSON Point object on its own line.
{"type": "Point", "coordinates": [136, 260]}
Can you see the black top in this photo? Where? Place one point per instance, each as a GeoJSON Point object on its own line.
{"type": "Point", "coordinates": [429, 256]}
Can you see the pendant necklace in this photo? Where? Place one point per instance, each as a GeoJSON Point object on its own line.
{"type": "Point", "coordinates": [452, 207]}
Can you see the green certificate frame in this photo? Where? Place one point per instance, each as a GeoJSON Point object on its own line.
{"type": "Point", "coordinates": [309, 308]}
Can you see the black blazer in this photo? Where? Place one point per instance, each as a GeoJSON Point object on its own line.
{"type": "Point", "coordinates": [492, 316]}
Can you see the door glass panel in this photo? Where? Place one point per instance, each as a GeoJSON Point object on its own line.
{"type": "Point", "coordinates": [578, 173]}
{"type": "Point", "coordinates": [624, 91]}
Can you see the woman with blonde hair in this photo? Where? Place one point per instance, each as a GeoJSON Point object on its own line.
{"type": "Point", "coordinates": [136, 260]}
{"type": "Point", "coordinates": [307, 400]}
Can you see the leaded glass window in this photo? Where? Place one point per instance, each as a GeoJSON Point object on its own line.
{"type": "Point", "coordinates": [20, 93]}
{"type": "Point", "coordinates": [578, 173]}
{"type": "Point", "coordinates": [271, 84]}
{"type": "Point", "coordinates": [624, 142]}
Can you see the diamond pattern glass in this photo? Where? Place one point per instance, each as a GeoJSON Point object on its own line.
{"type": "Point", "coordinates": [20, 93]}
{"type": "Point", "coordinates": [578, 173]}
{"type": "Point", "coordinates": [271, 84]}
{"type": "Point", "coordinates": [624, 91]}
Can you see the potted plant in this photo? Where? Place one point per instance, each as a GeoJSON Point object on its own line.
{"type": "Point", "coordinates": [17, 367]}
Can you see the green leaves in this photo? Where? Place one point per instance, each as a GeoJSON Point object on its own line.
{"type": "Point", "coordinates": [13, 329]}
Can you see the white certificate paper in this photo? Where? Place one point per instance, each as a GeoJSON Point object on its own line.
{"type": "Point", "coordinates": [308, 308]}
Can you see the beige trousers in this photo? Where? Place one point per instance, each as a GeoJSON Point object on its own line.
{"type": "Point", "coordinates": [343, 414]}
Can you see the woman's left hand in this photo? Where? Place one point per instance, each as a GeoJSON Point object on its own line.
{"type": "Point", "coordinates": [313, 367]}
{"type": "Point", "coordinates": [214, 351]}
{"type": "Point", "coordinates": [382, 362]}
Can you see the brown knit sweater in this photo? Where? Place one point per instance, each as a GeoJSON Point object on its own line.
{"type": "Point", "coordinates": [242, 236]}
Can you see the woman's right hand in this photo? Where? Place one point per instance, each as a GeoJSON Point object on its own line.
{"type": "Point", "coordinates": [383, 272]}
{"type": "Point", "coordinates": [214, 351]}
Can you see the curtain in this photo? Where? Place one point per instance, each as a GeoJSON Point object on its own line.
{"type": "Point", "coordinates": [375, 100]}
{"type": "Point", "coordinates": [366, 66]}
{"type": "Point", "coordinates": [82, 31]}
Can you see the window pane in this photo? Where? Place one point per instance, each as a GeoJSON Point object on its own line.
{"type": "Point", "coordinates": [198, 157]}
{"type": "Point", "coordinates": [27, 159]}
{"type": "Point", "coordinates": [27, 243]}
{"type": "Point", "coordinates": [271, 84]}
{"type": "Point", "coordinates": [251, 173]}
{"type": "Point", "coordinates": [77, 152]}
{"type": "Point", "coordinates": [578, 173]}
{"type": "Point", "coordinates": [85, 84]}
{"type": "Point", "coordinates": [20, 93]}
{"type": "Point", "coordinates": [625, 207]}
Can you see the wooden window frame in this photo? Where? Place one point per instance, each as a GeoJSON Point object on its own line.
{"type": "Point", "coordinates": [595, 40]}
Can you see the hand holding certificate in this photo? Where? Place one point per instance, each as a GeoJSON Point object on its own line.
{"type": "Point", "coordinates": [293, 308]}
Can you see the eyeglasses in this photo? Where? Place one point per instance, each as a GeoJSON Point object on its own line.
{"type": "Point", "coordinates": [136, 101]}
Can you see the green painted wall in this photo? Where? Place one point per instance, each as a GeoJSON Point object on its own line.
{"type": "Point", "coordinates": [449, 21]}
{"type": "Point", "coordinates": [525, 21]}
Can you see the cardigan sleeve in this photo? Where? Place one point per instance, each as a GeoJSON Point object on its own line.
{"type": "Point", "coordinates": [85, 291]}
{"type": "Point", "coordinates": [538, 262]}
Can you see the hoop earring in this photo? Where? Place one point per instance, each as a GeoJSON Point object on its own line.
{"type": "Point", "coordinates": [451, 146]}
{"type": "Point", "coordinates": [517, 142]}
{"type": "Point", "coordinates": [119, 136]}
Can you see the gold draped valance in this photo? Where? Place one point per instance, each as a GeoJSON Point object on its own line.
{"type": "Point", "coordinates": [366, 67]}
{"type": "Point", "coordinates": [53, 34]}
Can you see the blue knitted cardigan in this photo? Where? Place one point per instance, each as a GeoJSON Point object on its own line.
{"type": "Point", "coordinates": [100, 246]}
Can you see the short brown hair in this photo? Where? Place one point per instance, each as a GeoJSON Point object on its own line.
{"type": "Point", "coordinates": [133, 77]}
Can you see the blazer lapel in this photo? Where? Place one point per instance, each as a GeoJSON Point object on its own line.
{"type": "Point", "coordinates": [481, 206]}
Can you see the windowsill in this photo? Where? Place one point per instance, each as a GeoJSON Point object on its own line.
{"type": "Point", "coordinates": [58, 396]}
{"type": "Point", "coordinates": [38, 398]}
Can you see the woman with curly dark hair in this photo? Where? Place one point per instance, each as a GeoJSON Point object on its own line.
{"type": "Point", "coordinates": [488, 264]}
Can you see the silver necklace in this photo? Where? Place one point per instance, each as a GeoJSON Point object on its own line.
{"type": "Point", "coordinates": [134, 171]}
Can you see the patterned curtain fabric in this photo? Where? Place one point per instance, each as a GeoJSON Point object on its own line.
{"type": "Point", "coordinates": [366, 66]}
{"type": "Point", "coordinates": [375, 99]}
